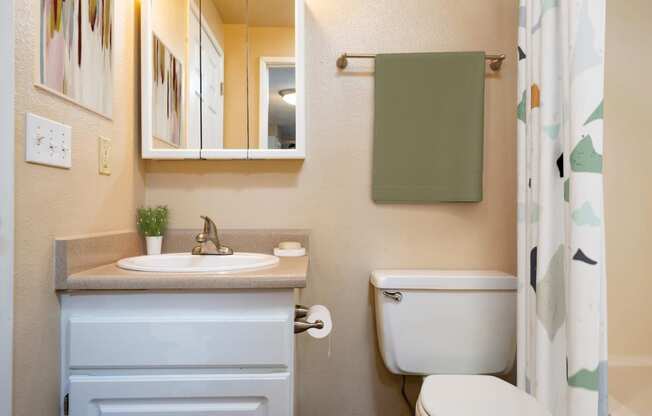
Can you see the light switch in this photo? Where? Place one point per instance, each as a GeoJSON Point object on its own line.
{"type": "Point", "coordinates": [105, 155]}
{"type": "Point", "coordinates": [48, 142]}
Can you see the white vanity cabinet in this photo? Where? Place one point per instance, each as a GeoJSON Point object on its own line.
{"type": "Point", "coordinates": [205, 353]}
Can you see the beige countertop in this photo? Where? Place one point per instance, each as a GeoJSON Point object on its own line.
{"type": "Point", "coordinates": [88, 262]}
{"type": "Point", "coordinates": [290, 272]}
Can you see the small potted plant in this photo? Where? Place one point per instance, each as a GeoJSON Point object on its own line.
{"type": "Point", "coordinates": [152, 223]}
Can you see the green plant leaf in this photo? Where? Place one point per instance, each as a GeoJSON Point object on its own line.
{"type": "Point", "coordinates": [152, 222]}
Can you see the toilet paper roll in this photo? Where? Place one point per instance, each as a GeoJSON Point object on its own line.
{"type": "Point", "coordinates": [320, 313]}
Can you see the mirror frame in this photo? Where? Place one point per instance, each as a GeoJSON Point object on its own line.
{"type": "Point", "coordinates": [147, 141]}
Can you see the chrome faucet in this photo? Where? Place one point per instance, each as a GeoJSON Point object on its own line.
{"type": "Point", "coordinates": [209, 235]}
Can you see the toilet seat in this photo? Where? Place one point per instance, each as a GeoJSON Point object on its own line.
{"type": "Point", "coordinates": [472, 395]}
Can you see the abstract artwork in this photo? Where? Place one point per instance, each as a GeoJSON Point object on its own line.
{"type": "Point", "coordinates": [76, 49]}
{"type": "Point", "coordinates": [167, 94]}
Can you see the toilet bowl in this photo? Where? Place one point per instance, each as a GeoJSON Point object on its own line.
{"type": "Point", "coordinates": [464, 395]}
{"type": "Point", "coordinates": [458, 330]}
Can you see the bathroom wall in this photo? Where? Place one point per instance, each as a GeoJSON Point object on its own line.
{"type": "Point", "coordinates": [53, 202]}
{"type": "Point", "coordinates": [211, 15]}
{"type": "Point", "coordinates": [628, 175]}
{"type": "Point", "coordinates": [170, 25]}
{"type": "Point", "coordinates": [329, 192]}
{"type": "Point", "coordinates": [235, 86]}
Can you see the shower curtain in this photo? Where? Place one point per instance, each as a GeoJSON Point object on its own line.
{"type": "Point", "coordinates": [561, 263]}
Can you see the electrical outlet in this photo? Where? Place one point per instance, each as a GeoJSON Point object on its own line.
{"type": "Point", "coordinates": [47, 142]}
{"type": "Point", "coordinates": [105, 156]}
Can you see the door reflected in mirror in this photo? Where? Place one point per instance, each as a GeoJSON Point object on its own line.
{"type": "Point", "coordinates": [278, 100]}
{"type": "Point", "coordinates": [224, 75]}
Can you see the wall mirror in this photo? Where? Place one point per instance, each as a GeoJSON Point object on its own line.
{"type": "Point", "coordinates": [222, 79]}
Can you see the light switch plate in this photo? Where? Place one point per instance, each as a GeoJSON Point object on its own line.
{"type": "Point", "coordinates": [104, 147]}
{"type": "Point", "coordinates": [48, 142]}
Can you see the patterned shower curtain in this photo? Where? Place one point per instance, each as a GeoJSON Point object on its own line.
{"type": "Point", "coordinates": [561, 262]}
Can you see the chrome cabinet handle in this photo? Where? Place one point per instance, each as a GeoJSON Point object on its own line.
{"type": "Point", "coordinates": [394, 295]}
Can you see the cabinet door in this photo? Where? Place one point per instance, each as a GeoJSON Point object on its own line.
{"type": "Point", "coordinates": [181, 395]}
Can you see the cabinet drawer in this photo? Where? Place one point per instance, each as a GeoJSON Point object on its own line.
{"type": "Point", "coordinates": [123, 342]}
{"type": "Point", "coordinates": [181, 395]}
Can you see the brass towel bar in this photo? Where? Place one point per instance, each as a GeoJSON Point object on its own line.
{"type": "Point", "coordinates": [495, 61]}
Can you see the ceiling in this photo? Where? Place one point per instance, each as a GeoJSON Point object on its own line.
{"type": "Point", "coordinates": [278, 13]}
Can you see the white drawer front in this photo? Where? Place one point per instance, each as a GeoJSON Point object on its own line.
{"type": "Point", "coordinates": [122, 342]}
{"type": "Point", "coordinates": [181, 395]}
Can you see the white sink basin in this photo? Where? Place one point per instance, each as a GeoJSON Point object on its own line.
{"type": "Point", "coordinates": [188, 263]}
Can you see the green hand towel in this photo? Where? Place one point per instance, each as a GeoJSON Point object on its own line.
{"type": "Point", "coordinates": [429, 127]}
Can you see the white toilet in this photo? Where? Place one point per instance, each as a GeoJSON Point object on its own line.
{"type": "Point", "coordinates": [454, 327]}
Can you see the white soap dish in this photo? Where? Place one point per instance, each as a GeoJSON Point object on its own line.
{"type": "Point", "coordinates": [289, 249]}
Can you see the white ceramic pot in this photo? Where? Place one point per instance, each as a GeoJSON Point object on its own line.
{"type": "Point", "coordinates": [154, 245]}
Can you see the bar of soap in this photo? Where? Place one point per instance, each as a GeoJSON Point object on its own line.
{"type": "Point", "coordinates": [289, 245]}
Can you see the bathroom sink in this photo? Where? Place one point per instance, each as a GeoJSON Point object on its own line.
{"type": "Point", "coordinates": [188, 263]}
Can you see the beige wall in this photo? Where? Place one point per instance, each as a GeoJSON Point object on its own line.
{"type": "Point", "coordinates": [628, 176]}
{"type": "Point", "coordinates": [211, 15]}
{"type": "Point", "coordinates": [54, 202]}
{"type": "Point", "coordinates": [170, 24]}
{"type": "Point", "coordinates": [330, 192]}
{"type": "Point", "coordinates": [235, 86]}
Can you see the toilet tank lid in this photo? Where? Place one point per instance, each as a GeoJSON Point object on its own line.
{"type": "Point", "coordinates": [443, 279]}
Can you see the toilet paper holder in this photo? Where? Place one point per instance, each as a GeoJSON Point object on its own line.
{"type": "Point", "coordinates": [300, 323]}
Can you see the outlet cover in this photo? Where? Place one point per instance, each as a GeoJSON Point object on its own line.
{"type": "Point", "coordinates": [105, 156]}
{"type": "Point", "coordinates": [47, 142]}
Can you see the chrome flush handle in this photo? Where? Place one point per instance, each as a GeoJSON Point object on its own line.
{"type": "Point", "coordinates": [394, 295]}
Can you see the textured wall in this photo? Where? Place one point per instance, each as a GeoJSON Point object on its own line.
{"type": "Point", "coordinates": [330, 191]}
{"type": "Point", "coordinates": [54, 202]}
{"type": "Point", "coordinates": [628, 195]}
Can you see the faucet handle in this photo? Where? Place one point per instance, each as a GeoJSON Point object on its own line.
{"type": "Point", "coordinates": [201, 237]}
{"type": "Point", "coordinates": [224, 250]}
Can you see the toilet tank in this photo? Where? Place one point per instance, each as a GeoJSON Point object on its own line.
{"type": "Point", "coordinates": [445, 322]}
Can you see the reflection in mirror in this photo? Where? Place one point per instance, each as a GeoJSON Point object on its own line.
{"type": "Point", "coordinates": [271, 74]}
{"type": "Point", "coordinates": [224, 75]}
{"type": "Point", "coordinates": [277, 126]}
{"type": "Point", "coordinates": [219, 79]}
{"type": "Point", "coordinates": [173, 126]}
